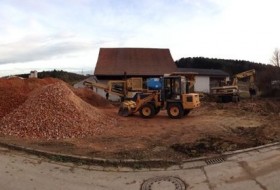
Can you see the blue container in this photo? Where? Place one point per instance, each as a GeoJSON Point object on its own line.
{"type": "Point", "coordinates": [154, 84]}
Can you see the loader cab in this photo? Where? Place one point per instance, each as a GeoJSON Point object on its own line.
{"type": "Point", "coordinates": [173, 87]}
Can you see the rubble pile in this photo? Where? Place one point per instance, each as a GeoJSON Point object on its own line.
{"type": "Point", "coordinates": [14, 92]}
{"type": "Point", "coordinates": [55, 112]}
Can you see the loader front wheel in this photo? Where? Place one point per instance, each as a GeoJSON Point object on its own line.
{"type": "Point", "coordinates": [147, 111]}
{"type": "Point", "coordinates": [175, 111]}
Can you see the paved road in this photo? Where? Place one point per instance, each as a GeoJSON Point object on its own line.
{"type": "Point", "coordinates": [257, 170]}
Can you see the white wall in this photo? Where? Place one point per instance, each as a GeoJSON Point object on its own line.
{"type": "Point", "coordinates": [202, 84]}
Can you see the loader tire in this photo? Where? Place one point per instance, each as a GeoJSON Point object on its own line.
{"type": "Point", "coordinates": [147, 111]}
{"type": "Point", "coordinates": [175, 111]}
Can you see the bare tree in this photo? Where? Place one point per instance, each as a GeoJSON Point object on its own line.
{"type": "Point", "coordinates": [275, 60]}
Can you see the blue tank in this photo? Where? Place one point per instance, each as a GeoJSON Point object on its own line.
{"type": "Point", "coordinates": [154, 84]}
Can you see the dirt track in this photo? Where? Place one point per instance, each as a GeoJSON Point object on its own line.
{"type": "Point", "coordinates": [213, 128]}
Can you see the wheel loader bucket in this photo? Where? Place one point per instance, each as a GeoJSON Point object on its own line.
{"type": "Point", "coordinates": [124, 112]}
{"type": "Point", "coordinates": [127, 108]}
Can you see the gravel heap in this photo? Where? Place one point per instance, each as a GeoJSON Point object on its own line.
{"type": "Point", "coordinates": [15, 91]}
{"type": "Point", "coordinates": [55, 112]}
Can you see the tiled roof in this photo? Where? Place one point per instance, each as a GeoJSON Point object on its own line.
{"type": "Point", "coordinates": [205, 72]}
{"type": "Point", "coordinates": [134, 61]}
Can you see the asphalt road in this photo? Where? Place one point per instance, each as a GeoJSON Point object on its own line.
{"type": "Point", "coordinates": [256, 170]}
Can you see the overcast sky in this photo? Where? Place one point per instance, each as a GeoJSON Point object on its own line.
{"type": "Point", "coordinates": [67, 34]}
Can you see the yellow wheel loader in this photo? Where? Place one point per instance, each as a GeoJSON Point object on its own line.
{"type": "Point", "coordinates": [172, 95]}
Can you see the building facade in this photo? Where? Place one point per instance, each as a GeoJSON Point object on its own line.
{"type": "Point", "coordinates": [121, 63]}
{"type": "Point", "coordinates": [205, 79]}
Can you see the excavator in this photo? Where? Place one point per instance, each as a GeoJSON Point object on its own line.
{"type": "Point", "coordinates": [169, 92]}
{"type": "Point", "coordinates": [231, 92]}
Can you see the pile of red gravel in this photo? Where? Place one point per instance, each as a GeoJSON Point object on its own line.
{"type": "Point", "coordinates": [55, 112]}
{"type": "Point", "coordinates": [15, 91]}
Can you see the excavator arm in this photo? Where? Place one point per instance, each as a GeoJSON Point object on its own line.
{"type": "Point", "coordinates": [245, 74]}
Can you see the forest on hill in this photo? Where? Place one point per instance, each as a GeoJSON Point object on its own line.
{"type": "Point", "coordinates": [68, 77]}
{"type": "Point", "coordinates": [265, 74]}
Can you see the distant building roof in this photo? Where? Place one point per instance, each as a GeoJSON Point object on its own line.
{"type": "Point", "coordinates": [134, 61]}
{"type": "Point", "coordinates": [205, 72]}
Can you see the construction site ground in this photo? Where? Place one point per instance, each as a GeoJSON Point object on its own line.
{"type": "Point", "coordinates": [212, 129]}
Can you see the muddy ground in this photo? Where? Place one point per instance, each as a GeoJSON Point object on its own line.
{"type": "Point", "coordinates": [209, 130]}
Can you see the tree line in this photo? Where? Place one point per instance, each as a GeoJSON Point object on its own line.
{"type": "Point", "coordinates": [68, 77]}
{"type": "Point", "coordinates": [265, 74]}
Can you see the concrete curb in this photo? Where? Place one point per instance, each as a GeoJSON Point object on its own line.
{"type": "Point", "coordinates": [156, 163]}
{"type": "Point", "coordinates": [230, 153]}
{"type": "Point", "coordinates": [137, 164]}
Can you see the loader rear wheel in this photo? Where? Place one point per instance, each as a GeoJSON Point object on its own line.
{"type": "Point", "coordinates": [175, 111]}
{"type": "Point", "coordinates": [147, 111]}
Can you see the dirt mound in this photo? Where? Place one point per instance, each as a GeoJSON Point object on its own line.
{"type": "Point", "coordinates": [55, 112]}
{"type": "Point", "coordinates": [92, 98]}
{"type": "Point", "coordinates": [213, 145]}
{"type": "Point", "coordinates": [238, 138]}
{"type": "Point", "coordinates": [265, 106]}
{"type": "Point", "coordinates": [258, 106]}
{"type": "Point", "coordinates": [14, 92]}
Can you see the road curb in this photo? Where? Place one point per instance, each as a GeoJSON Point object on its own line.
{"type": "Point", "coordinates": [137, 164]}
{"type": "Point", "coordinates": [230, 153]}
{"type": "Point", "coordinates": [153, 163]}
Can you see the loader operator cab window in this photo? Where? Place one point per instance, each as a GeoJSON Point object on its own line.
{"type": "Point", "coordinates": [172, 88]}
{"type": "Point", "coordinates": [167, 89]}
{"type": "Point", "coordinates": [184, 86]}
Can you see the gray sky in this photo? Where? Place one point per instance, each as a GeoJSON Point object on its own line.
{"type": "Point", "coordinates": [59, 34]}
